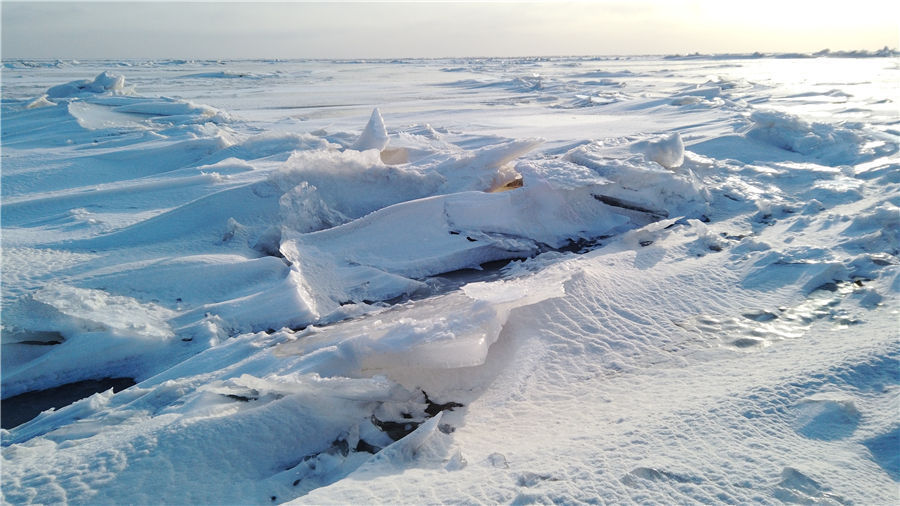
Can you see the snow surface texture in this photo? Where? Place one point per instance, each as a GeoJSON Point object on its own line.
{"type": "Point", "coordinates": [619, 281]}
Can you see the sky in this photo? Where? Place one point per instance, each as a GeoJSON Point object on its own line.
{"type": "Point", "coordinates": [233, 30]}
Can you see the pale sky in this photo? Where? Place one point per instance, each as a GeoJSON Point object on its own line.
{"type": "Point", "coordinates": [231, 30]}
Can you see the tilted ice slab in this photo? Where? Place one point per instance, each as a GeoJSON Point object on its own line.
{"type": "Point", "coordinates": [95, 310]}
{"type": "Point", "coordinates": [183, 418]}
{"type": "Point", "coordinates": [102, 335]}
{"type": "Point", "coordinates": [451, 331]}
{"type": "Point", "coordinates": [373, 258]}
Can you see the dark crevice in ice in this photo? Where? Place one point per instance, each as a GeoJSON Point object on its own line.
{"type": "Point", "coordinates": [363, 446]}
{"type": "Point", "coordinates": [33, 337]}
{"type": "Point", "coordinates": [581, 246]}
{"type": "Point", "coordinates": [338, 447]}
{"type": "Point", "coordinates": [450, 281]}
{"type": "Point", "coordinates": [18, 409]}
{"type": "Point", "coordinates": [631, 206]}
{"type": "Point", "coordinates": [397, 430]}
{"type": "Point", "coordinates": [434, 408]}
{"type": "Point", "coordinates": [40, 343]}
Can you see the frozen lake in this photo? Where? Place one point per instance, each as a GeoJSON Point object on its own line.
{"type": "Point", "coordinates": [533, 280]}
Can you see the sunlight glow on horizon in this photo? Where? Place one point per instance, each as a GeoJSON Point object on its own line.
{"type": "Point", "coordinates": [217, 30]}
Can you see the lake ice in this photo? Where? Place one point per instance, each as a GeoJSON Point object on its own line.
{"type": "Point", "coordinates": [533, 280]}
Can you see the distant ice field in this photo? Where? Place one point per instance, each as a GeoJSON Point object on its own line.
{"type": "Point", "coordinates": [630, 280]}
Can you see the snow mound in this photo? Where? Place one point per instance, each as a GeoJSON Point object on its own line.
{"type": "Point", "coordinates": [834, 145]}
{"type": "Point", "coordinates": [276, 144]}
{"type": "Point", "coordinates": [668, 152]}
{"type": "Point", "coordinates": [559, 174]}
{"type": "Point", "coordinates": [39, 102]}
{"type": "Point", "coordinates": [106, 82]}
{"type": "Point", "coordinates": [826, 418]}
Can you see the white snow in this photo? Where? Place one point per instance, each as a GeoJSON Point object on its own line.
{"type": "Point", "coordinates": [374, 135]}
{"type": "Point", "coordinates": [668, 152]}
{"type": "Point", "coordinates": [103, 83]}
{"type": "Point", "coordinates": [563, 280]}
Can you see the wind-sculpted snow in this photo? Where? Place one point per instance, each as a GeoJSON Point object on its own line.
{"type": "Point", "coordinates": [798, 135]}
{"type": "Point", "coordinates": [558, 280]}
{"type": "Point", "coordinates": [106, 82]}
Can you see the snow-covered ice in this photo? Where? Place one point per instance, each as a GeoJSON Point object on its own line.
{"type": "Point", "coordinates": [538, 280]}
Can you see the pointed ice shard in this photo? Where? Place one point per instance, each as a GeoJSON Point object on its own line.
{"type": "Point", "coordinates": [374, 136]}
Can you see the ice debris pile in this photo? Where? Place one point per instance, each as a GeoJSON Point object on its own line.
{"type": "Point", "coordinates": [600, 279]}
